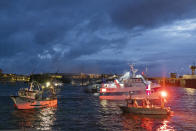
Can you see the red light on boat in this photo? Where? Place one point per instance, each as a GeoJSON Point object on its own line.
{"type": "Point", "coordinates": [148, 89]}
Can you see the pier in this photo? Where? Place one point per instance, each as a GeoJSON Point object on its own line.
{"type": "Point", "coordinates": [187, 80]}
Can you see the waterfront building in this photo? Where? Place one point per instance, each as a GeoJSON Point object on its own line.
{"type": "Point", "coordinates": [14, 78]}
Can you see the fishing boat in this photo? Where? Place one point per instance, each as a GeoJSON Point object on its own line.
{"type": "Point", "coordinates": [36, 96]}
{"type": "Point", "coordinates": [119, 89]}
{"type": "Point", "coordinates": [145, 104]}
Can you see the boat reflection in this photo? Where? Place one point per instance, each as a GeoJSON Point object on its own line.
{"type": "Point", "coordinates": [146, 122]}
{"type": "Point", "coordinates": [39, 119]}
{"type": "Point", "coordinates": [108, 106]}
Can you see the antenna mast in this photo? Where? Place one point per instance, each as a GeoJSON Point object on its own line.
{"type": "Point", "coordinates": [133, 71]}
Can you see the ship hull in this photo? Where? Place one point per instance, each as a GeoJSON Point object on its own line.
{"type": "Point", "coordinates": [123, 93]}
{"type": "Point", "coordinates": [124, 97]}
{"type": "Point", "coordinates": [145, 111]}
{"type": "Point", "coordinates": [116, 93]}
{"type": "Point", "coordinates": [24, 103]}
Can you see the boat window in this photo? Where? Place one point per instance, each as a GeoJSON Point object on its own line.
{"type": "Point", "coordinates": [136, 92]}
{"type": "Point", "coordinates": [134, 82]}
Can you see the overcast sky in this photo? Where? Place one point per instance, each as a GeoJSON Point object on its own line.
{"type": "Point", "coordinates": [96, 36]}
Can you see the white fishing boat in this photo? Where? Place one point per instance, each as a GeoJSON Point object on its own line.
{"type": "Point", "coordinates": [129, 82]}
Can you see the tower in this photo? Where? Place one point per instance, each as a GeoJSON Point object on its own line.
{"type": "Point", "coordinates": [193, 67]}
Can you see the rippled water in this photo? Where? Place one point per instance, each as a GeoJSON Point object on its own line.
{"type": "Point", "coordinates": [80, 111]}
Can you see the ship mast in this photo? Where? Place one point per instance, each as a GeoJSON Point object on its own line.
{"type": "Point", "coordinates": [133, 71]}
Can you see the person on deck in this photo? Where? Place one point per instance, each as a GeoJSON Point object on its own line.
{"type": "Point", "coordinates": [135, 104]}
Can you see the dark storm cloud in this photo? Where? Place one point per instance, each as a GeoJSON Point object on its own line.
{"type": "Point", "coordinates": [50, 34]}
{"type": "Point", "coordinates": [46, 35]}
{"type": "Point", "coordinates": [85, 48]}
{"type": "Point", "coordinates": [33, 28]}
{"type": "Point", "coordinates": [47, 21]}
{"type": "Point", "coordinates": [152, 13]}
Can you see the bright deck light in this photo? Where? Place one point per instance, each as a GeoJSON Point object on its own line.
{"type": "Point", "coordinates": [103, 90]}
{"type": "Point", "coordinates": [163, 94]}
{"type": "Point", "coordinates": [47, 84]}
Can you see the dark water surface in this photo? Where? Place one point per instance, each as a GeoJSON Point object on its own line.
{"type": "Point", "coordinates": [80, 111]}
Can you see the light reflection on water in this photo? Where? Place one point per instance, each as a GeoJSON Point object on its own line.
{"type": "Point", "coordinates": [47, 118]}
{"type": "Point", "coordinates": [39, 119]}
{"type": "Point", "coordinates": [165, 126]}
{"type": "Point", "coordinates": [190, 91]}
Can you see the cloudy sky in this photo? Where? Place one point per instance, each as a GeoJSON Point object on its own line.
{"type": "Point", "coordinates": [96, 36]}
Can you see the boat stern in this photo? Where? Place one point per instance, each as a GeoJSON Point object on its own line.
{"type": "Point", "coordinates": [13, 98]}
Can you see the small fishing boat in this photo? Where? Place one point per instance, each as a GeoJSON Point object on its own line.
{"type": "Point", "coordinates": [146, 111]}
{"type": "Point", "coordinates": [36, 96]}
{"type": "Point", "coordinates": [147, 106]}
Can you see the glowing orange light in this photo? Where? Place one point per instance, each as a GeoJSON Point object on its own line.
{"type": "Point", "coordinates": [164, 94]}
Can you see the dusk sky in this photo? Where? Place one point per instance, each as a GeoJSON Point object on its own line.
{"type": "Point", "coordinates": [97, 36]}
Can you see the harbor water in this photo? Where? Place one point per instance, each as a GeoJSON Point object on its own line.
{"type": "Point", "coordinates": [77, 110]}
